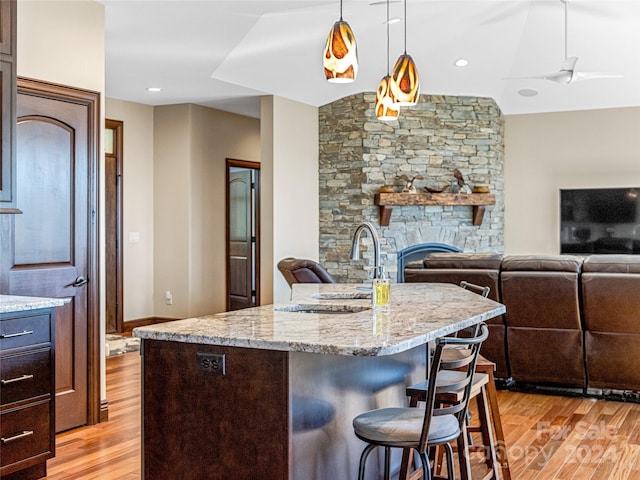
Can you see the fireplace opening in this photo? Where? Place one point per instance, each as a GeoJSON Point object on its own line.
{"type": "Point", "coordinates": [418, 252]}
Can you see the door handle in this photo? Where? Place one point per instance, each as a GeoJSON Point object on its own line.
{"type": "Point", "coordinates": [78, 282]}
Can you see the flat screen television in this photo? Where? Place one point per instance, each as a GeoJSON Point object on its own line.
{"type": "Point", "coordinates": [600, 220]}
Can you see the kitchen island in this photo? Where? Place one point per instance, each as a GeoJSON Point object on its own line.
{"type": "Point", "coordinates": [270, 392]}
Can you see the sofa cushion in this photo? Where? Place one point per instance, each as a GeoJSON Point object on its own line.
{"type": "Point", "coordinates": [612, 264]}
{"type": "Point", "coordinates": [486, 261]}
{"type": "Point", "coordinates": [414, 264]}
{"type": "Point", "coordinates": [554, 263]}
{"type": "Point", "coordinates": [610, 293]}
{"type": "Point", "coordinates": [484, 278]}
{"type": "Point", "coordinates": [541, 299]}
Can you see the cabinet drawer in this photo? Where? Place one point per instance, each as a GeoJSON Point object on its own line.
{"type": "Point", "coordinates": [25, 433]}
{"type": "Point", "coordinates": [25, 375]}
{"type": "Point", "coordinates": [25, 330]}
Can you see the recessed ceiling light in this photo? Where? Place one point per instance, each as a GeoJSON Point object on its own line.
{"type": "Point", "coordinates": [528, 92]}
{"type": "Point", "coordinates": [461, 62]}
{"type": "Point", "coordinates": [154, 89]}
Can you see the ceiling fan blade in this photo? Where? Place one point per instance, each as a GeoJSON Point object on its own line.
{"type": "Point", "coordinates": [562, 76]}
{"type": "Point", "coordinates": [529, 77]}
{"type": "Point", "coordinates": [594, 75]}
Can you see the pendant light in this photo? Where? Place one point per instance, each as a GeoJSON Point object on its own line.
{"type": "Point", "coordinates": [405, 82]}
{"type": "Point", "coordinates": [340, 58]}
{"type": "Point", "coordinates": [386, 106]}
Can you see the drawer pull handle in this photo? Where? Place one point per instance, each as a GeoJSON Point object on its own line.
{"type": "Point", "coordinates": [17, 379]}
{"type": "Point", "coordinates": [19, 334]}
{"type": "Point", "coordinates": [25, 433]}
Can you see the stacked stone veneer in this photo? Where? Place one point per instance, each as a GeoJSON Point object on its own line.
{"type": "Point", "coordinates": [359, 154]}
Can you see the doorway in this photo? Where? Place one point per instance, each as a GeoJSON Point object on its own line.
{"type": "Point", "coordinates": [113, 146]}
{"type": "Point", "coordinates": [243, 233]}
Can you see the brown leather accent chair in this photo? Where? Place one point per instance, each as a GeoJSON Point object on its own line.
{"type": "Point", "coordinates": [543, 320]}
{"type": "Point", "coordinates": [611, 305]}
{"type": "Point", "coordinates": [300, 270]}
{"type": "Point", "coordinates": [477, 268]}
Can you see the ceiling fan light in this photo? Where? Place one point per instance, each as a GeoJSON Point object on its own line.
{"type": "Point", "coordinates": [405, 83]}
{"type": "Point", "coordinates": [340, 58]}
{"type": "Point", "coordinates": [386, 107]}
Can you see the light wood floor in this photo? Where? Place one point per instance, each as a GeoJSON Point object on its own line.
{"type": "Point", "coordinates": [109, 450]}
{"type": "Point", "coordinates": [548, 437]}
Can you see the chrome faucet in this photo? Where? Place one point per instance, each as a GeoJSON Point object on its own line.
{"type": "Point", "coordinates": [355, 245]}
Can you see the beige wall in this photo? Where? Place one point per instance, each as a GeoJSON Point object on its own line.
{"type": "Point", "coordinates": [190, 149]}
{"type": "Point", "coordinates": [547, 152]}
{"type": "Point", "coordinates": [216, 136]}
{"type": "Point", "coordinates": [290, 138]}
{"type": "Point", "coordinates": [137, 199]}
{"type": "Point", "coordinates": [171, 231]}
{"type": "Point", "coordinates": [266, 200]}
{"type": "Point", "coordinates": [62, 42]}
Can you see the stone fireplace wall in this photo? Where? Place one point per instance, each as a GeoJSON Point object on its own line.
{"type": "Point", "coordinates": [359, 154]}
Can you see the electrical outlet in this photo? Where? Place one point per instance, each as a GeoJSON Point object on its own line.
{"type": "Point", "coordinates": [168, 297]}
{"type": "Point", "coordinates": [212, 362]}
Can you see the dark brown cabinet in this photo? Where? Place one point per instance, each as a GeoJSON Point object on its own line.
{"type": "Point", "coordinates": [213, 426]}
{"type": "Point", "coordinates": [8, 101]}
{"type": "Point", "coordinates": [27, 393]}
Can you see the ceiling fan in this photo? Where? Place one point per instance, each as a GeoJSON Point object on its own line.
{"type": "Point", "coordinates": [567, 73]}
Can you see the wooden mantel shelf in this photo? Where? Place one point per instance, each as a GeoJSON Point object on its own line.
{"type": "Point", "coordinates": [386, 202]}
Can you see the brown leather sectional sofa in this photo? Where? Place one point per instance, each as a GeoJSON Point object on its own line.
{"type": "Point", "coordinates": [571, 322]}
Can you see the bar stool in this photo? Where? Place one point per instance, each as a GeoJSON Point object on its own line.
{"type": "Point", "coordinates": [424, 428]}
{"type": "Point", "coordinates": [490, 424]}
{"type": "Point", "coordinates": [484, 392]}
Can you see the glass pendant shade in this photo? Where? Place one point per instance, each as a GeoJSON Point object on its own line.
{"type": "Point", "coordinates": [340, 54]}
{"type": "Point", "coordinates": [386, 107]}
{"type": "Point", "coordinates": [405, 83]}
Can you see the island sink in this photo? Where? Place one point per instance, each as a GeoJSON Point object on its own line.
{"type": "Point", "coordinates": [342, 296]}
{"type": "Point", "coordinates": [320, 308]}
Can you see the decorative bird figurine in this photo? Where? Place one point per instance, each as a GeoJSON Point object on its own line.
{"type": "Point", "coordinates": [410, 188]}
{"type": "Point", "coordinates": [459, 177]}
{"type": "Point", "coordinates": [459, 186]}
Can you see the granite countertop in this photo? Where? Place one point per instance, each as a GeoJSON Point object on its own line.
{"type": "Point", "coordinates": [419, 313]}
{"type": "Point", "coordinates": [15, 303]}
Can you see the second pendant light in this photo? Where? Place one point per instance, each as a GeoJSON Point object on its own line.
{"type": "Point", "coordinates": [405, 83]}
{"type": "Point", "coordinates": [386, 105]}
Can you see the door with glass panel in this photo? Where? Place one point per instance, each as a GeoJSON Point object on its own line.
{"type": "Point", "coordinates": [113, 181]}
{"type": "Point", "coordinates": [242, 218]}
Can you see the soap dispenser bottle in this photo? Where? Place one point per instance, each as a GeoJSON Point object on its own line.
{"type": "Point", "coordinates": [381, 289]}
